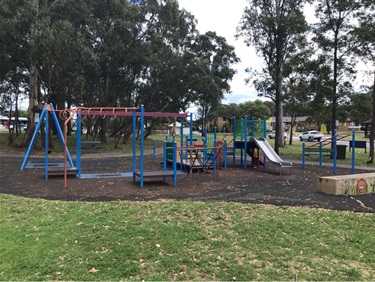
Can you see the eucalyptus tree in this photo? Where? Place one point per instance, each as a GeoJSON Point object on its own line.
{"type": "Point", "coordinates": [364, 35]}
{"type": "Point", "coordinates": [273, 27]}
{"type": "Point", "coordinates": [299, 72]}
{"type": "Point", "coordinates": [215, 58]}
{"type": "Point", "coordinates": [111, 53]}
{"type": "Point", "coordinates": [333, 37]}
{"type": "Point", "coordinates": [359, 106]}
{"type": "Point", "coordinates": [319, 110]}
{"type": "Point", "coordinates": [19, 25]}
{"type": "Point", "coordinates": [65, 47]}
{"type": "Point", "coordinates": [164, 77]}
{"type": "Point", "coordinates": [164, 65]}
{"type": "Point", "coordinates": [297, 98]}
{"type": "Point", "coordinates": [181, 66]}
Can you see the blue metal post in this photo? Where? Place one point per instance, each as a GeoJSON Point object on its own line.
{"type": "Point", "coordinates": [78, 144]}
{"type": "Point", "coordinates": [32, 142]}
{"type": "Point", "coordinates": [134, 144]}
{"type": "Point", "coordinates": [225, 155]}
{"type": "Point", "coordinates": [353, 151]}
{"type": "Point", "coordinates": [154, 150]}
{"type": "Point", "coordinates": [61, 135]}
{"type": "Point", "coordinates": [182, 129]}
{"type": "Point", "coordinates": [215, 133]}
{"type": "Point", "coordinates": [165, 158]}
{"type": "Point", "coordinates": [204, 149]}
{"type": "Point", "coordinates": [214, 159]}
{"type": "Point", "coordinates": [265, 136]}
{"type": "Point", "coordinates": [141, 157]}
{"type": "Point", "coordinates": [205, 140]}
{"type": "Point", "coordinates": [234, 142]}
{"type": "Point", "coordinates": [174, 163]}
{"type": "Point", "coordinates": [46, 145]}
{"type": "Point", "coordinates": [214, 146]}
{"type": "Point", "coordinates": [191, 127]}
{"type": "Point", "coordinates": [245, 141]}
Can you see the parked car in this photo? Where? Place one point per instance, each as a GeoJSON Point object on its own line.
{"type": "Point", "coordinates": [272, 135]}
{"type": "Point", "coordinates": [311, 136]}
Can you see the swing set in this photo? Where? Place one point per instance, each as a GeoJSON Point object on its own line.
{"type": "Point", "coordinates": [79, 113]}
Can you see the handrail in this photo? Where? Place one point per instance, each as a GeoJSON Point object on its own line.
{"type": "Point", "coordinates": [328, 141]}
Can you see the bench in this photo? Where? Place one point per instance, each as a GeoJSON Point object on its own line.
{"type": "Point", "coordinates": [358, 144]}
{"type": "Point", "coordinates": [89, 145]}
{"type": "Point", "coordinates": [316, 151]}
{"type": "Point", "coordinates": [351, 184]}
{"type": "Point", "coordinates": [155, 174]}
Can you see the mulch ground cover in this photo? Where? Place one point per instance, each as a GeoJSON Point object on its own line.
{"type": "Point", "coordinates": [293, 187]}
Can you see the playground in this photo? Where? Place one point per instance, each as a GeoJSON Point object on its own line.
{"type": "Point", "coordinates": [181, 170]}
{"type": "Point", "coordinates": [251, 185]}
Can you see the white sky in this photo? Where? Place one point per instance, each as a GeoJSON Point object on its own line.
{"type": "Point", "coordinates": [223, 17]}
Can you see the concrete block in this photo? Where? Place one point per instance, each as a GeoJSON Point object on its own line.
{"type": "Point", "coordinates": [351, 184]}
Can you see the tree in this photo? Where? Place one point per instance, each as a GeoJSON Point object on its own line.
{"type": "Point", "coordinates": [18, 40]}
{"type": "Point", "coordinates": [297, 89]}
{"type": "Point", "coordinates": [359, 107]}
{"type": "Point", "coordinates": [273, 27]}
{"type": "Point", "coordinates": [214, 60]}
{"type": "Point", "coordinates": [364, 34]}
{"type": "Point", "coordinates": [254, 109]}
{"type": "Point", "coordinates": [333, 36]}
{"type": "Point", "coordinates": [112, 53]}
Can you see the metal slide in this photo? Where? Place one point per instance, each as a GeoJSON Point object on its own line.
{"type": "Point", "coordinates": [271, 155]}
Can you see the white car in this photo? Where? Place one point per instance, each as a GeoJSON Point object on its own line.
{"type": "Point", "coordinates": [272, 135]}
{"type": "Point", "coordinates": [311, 136]}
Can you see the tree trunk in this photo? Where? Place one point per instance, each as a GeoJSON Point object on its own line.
{"type": "Point", "coordinates": [334, 89]}
{"type": "Point", "coordinates": [104, 121]}
{"type": "Point", "coordinates": [279, 138]}
{"type": "Point", "coordinates": [292, 125]}
{"type": "Point", "coordinates": [33, 104]}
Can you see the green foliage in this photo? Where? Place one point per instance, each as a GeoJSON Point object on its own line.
{"type": "Point", "coordinates": [359, 107]}
{"type": "Point", "coordinates": [254, 109]}
{"type": "Point", "coordinates": [113, 53]}
{"type": "Point", "coordinates": [215, 58]}
{"type": "Point", "coordinates": [274, 28]}
{"type": "Point", "coordinates": [333, 34]}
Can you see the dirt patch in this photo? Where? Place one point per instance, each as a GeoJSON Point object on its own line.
{"type": "Point", "coordinates": [294, 187]}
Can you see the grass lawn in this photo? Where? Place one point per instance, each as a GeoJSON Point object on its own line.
{"type": "Point", "coordinates": [181, 240]}
{"type": "Point", "coordinates": [55, 240]}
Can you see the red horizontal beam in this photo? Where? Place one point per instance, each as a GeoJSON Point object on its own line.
{"type": "Point", "coordinates": [91, 113]}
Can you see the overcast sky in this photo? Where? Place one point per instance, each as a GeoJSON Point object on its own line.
{"type": "Point", "coordinates": [223, 17]}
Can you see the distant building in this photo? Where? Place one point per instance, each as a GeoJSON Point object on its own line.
{"type": "Point", "coordinates": [301, 124]}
